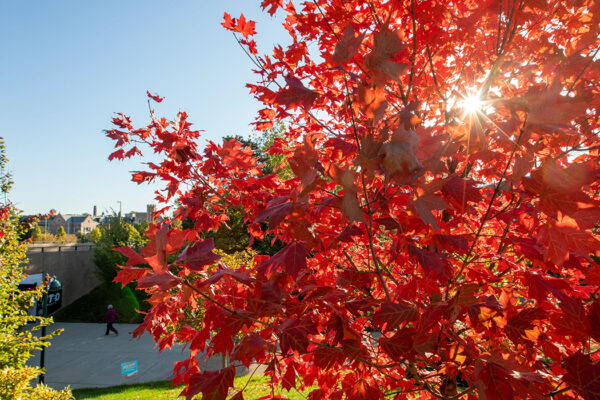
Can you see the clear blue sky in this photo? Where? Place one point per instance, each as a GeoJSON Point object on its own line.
{"type": "Point", "coordinates": [67, 66]}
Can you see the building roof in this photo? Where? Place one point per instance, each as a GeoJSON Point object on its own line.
{"type": "Point", "coordinates": [77, 219]}
{"type": "Point", "coordinates": [51, 218]}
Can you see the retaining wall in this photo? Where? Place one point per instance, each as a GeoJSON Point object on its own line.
{"type": "Point", "coordinates": [72, 264]}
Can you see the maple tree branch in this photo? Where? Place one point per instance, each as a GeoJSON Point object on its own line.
{"type": "Point", "coordinates": [593, 295]}
{"type": "Point", "coordinates": [352, 261]}
{"type": "Point", "coordinates": [499, 29]}
{"type": "Point", "coordinates": [433, 74]}
{"type": "Point", "coordinates": [500, 275]}
{"type": "Point", "coordinates": [325, 19]}
{"type": "Point", "coordinates": [374, 13]}
{"type": "Point", "coordinates": [506, 40]}
{"type": "Point", "coordinates": [503, 209]}
{"type": "Point", "coordinates": [250, 378]}
{"type": "Point", "coordinates": [376, 262]}
{"type": "Point", "coordinates": [396, 392]}
{"type": "Point", "coordinates": [491, 203]}
{"type": "Point", "coordinates": [504, 233]}
{"type": "Point", "coordinates": [362, 360]}
{"type": "Point", "coordinates": [575, 148]}
{"type": "Point", "coordinates": [412, 369]}
{"type": "Point", "coordinates": [354, 130]}
{"type": "Point", "coordinates": [369, 211]}
{"type": "Point", "coordinates": [414, 43]}
{"type": "Point", "coordinates": [225, 308]}
{"type": "Point", "coordinates": [543, 17]}
{"type": "Point", "coordinates": [556, 392]}
{"type": "Point", "coordinates": [591, 59]}
{"type": "Point", "coordinates": [463, 393]}
{"type": "Point", "coordinates": [211, 189]}
{"type": "Point", "coordinates": [252, 58]}
{"type": "Point", "coordinates": [262, 68]}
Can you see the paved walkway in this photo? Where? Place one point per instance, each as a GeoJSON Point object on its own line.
{"type": "Point", "coordinates": [83, 357]}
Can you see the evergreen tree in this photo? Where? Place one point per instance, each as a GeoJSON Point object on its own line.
{"type": "Point", "coordinates": [61, 232]}
{"type": "Point", "coordinates": [37, 233]}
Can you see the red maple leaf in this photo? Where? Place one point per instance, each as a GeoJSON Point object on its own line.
{"type": "Point", "coordinates": [294, 334]}
{"type": "Point", "coordinates": [583, 375]}
{"type": "Point", "coordinates": [133, 258]}
{"type": "Point", "coordinates": [362, 390]}
{"type": "Point", "coordinates": [127, 275]}
{"type": "Point", "coordinates": [520, 326]}
{"type": "Point", "coordinates": [250, 348]}
{"type": "Point", "coordinates": [214, 385]}
{"type": "Point", "coordinates": [499, 376]}
{"type": "Point", "coordinates": [293, 257]}
{"type": "Point", "coordinates": [295, 95]}
{"type": "Point", "coordinates": [391, 315]}
{"type": "Point", "coordinates": [240, 25]}
{"type": "Point", "coordinates": [347, 46]}
{"type": "Point", "coordinates": [199, 255]}
{"type": "Point", "coordinates": [162, 281]}
{"type": "Point", "coordinates": [432, 263]}
{"type": "Point", "coordinates": [155, 97]}
{"type": "Point", "coordinates": [273, 5]}
{"type": "Point", "coordinates": [380, 61]}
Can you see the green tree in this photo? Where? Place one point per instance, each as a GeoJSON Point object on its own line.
{"type": "Point", "coordinates": [61, 232]}
{"type": "Point", "coordinates": [37, 233]}
{"type": "Point", "coordinates": [95, 235]}
{"type": "Point", "coordinates": [116, 234]}
{"type": "Point", "coordinates": [232, 236]}
{"type": "Point", "coordinates": [17, 343]}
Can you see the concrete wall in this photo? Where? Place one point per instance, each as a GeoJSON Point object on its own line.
{"type": "Point", "coordinates": [72, 264]}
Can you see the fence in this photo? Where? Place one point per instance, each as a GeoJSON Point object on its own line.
{"type": "Point", "coordinates": [53, 247]}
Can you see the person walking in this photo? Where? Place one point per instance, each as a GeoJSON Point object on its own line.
{"type": "Point", "coordinates": [110, 317]}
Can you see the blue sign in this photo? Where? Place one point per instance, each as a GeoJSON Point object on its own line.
{"type": "Point", "coordinates": [129, 368]}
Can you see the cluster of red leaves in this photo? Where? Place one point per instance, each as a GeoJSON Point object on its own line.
{"type": "Point", "coordinates": [429, 252]}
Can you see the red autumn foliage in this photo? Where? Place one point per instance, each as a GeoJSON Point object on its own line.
{"type": "Point", "coordinates": [431, 250]}
{"type": "Point", "coordinates": [154, 97]}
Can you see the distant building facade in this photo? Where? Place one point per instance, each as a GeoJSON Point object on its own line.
{"type": "Point", "coordinates": [53, 223]}
{"type": "Point", "coordinates": [138, 217]}
{"type": "Point", "coordinates": [76, 224]}
{"type": "Point", "coordinates": [83, 224]}
{"type": "Point", "coordinates": [80, 224]}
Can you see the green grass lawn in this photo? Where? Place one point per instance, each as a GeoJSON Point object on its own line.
{"type": "Point", "coordinates": [257, 387]}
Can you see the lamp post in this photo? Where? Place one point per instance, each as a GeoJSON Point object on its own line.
{"type": "Point", "coordinates": [44, 314]}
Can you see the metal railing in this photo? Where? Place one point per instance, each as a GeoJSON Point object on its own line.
{"type": "Point", "coordinates": [58, 248]}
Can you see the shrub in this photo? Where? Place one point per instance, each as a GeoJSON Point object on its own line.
{"type": "Point", "coordinates": [17, 341]}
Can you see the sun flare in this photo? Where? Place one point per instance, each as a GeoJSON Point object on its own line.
{"type": "Point", "coordinates": [471, 104]}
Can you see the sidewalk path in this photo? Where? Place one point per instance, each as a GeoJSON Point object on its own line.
{"type": "Point", "coordinates": [83, 357]}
